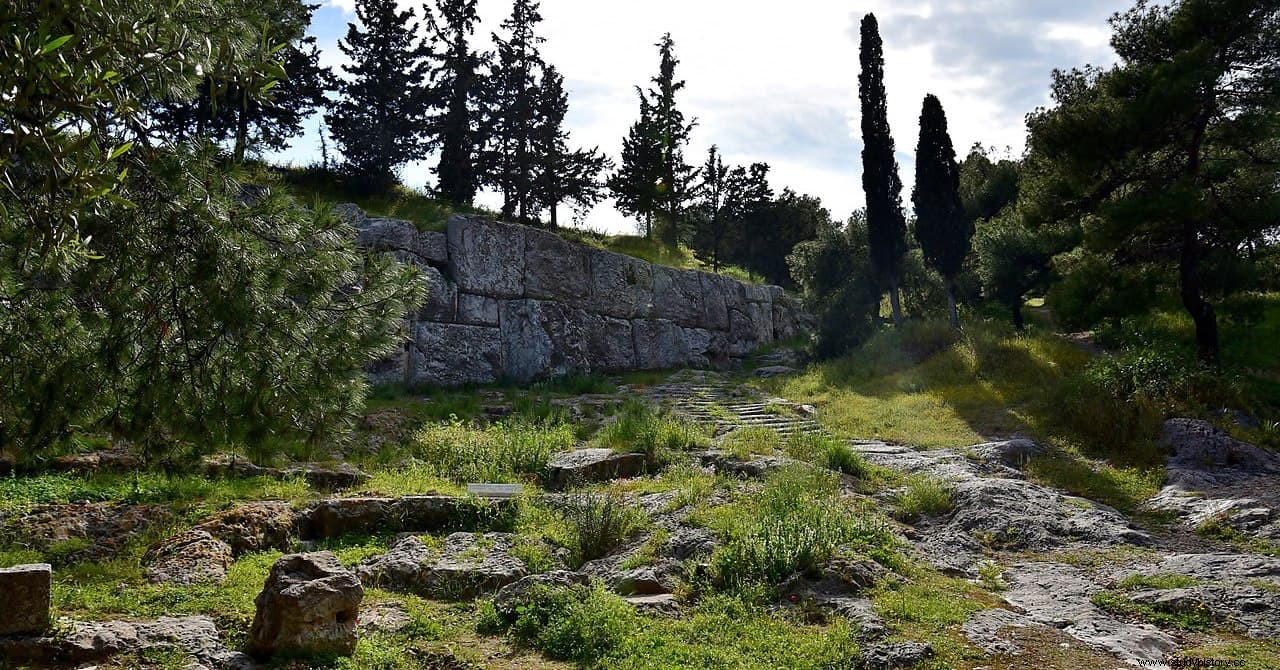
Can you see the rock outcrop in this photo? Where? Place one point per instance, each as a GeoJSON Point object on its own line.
{"type": "Point", "coordinates": [513, 302]}
{"type": "Point", "coordinates": [310, 604]}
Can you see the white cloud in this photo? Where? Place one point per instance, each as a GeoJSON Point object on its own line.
{"type": "Point", "coordinates": [777, 81]}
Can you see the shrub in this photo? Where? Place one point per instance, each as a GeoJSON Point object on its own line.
{"type": "Point", "coordinates": [570, 623]}
{"type": "Point", "coordinates": [600, 524]}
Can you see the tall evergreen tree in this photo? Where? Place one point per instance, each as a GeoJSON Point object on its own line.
{"type": "Point", "coordinates": [942, 228]}
{"type": "Point", "coordinates": [231, 106]}
{"type": "Point", "coordinates": [562, 175]}
{"type": "Point", "coordinates": [675, 177]}
{"type": "Point", "coordinates": [511, 112]}
{"type": "Point", "coordinates": [720, 200]}
{"type": "Point", "coordinates": [634, 184]}
{"type": "Point", "coordinates": [457, 88]}
{"type": "Point", "coordinates": [380, 121]}
{"type": "Point", "coordinates": [886, 223]}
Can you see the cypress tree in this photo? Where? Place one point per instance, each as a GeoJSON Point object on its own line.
{"type": "Point", "coordinates": [634, 184]}
{"type": "Point", "coordinates": [942, 228]}
{"type": "Point", "coordinates": [457, 79]}
{"type": "Point", "coordinates": [511, 112]}
{"type": "Point", "coordinates": [886, 224]}
{"type": "Point", "coordinates": [380, 122]}
{"type": "Point", "coordinates": [562, 175]}
{"type": "Point", "coordinates": [721, 203]}
{"type": "Point", "coordinates": [675, 177]}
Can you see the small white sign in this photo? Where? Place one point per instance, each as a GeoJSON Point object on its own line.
{"type": "Point", "coordinates": [494, 490]}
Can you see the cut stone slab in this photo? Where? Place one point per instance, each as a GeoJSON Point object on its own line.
{"type": "Point", "coordinates": [592, 465]}
{"type": "Point", "coordinates": [26, 589]}
{"type": "Point", "coordinates": [310, 604]}
{"type": "Point", "coordinates": [1058, 596]}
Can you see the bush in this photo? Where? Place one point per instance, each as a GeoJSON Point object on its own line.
{"type": "Point", "coordinates": [568, 623]}
{"type": "Point", "coordinates": [600, 524]}
{"type": "Point", "coordinates": [834, 271]}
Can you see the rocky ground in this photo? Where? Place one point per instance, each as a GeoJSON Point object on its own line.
{"type": "Point", "coordinates": [1039, 578]}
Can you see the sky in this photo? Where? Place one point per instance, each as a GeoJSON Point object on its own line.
{"type": "Point", "coordinates": [778, 81]}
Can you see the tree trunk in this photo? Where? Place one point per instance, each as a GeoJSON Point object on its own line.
{"type": "Point", "coordinates": [554, 224]}
{"type": "Point", "coordinates": [1016, 308]}
{"type": "Point", "coordinates": [242, 132]}
{"type": "Point", "coordinates": [951, 304]}
{"type": "Point", "coordinates": [1192, 288]}
{"type": "Point", "coordinates": [895, 304]}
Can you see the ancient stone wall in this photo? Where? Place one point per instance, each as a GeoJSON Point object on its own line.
{"type": "Point", "coordinates": [513, 302]}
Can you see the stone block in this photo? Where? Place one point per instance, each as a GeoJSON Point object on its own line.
{"type": "Point", "coordinates": [453, 355]}
{"type": "Point", "coordinates": [442, 297]}
{"type": "Point", "coordinates": [477, 310]}
{"type": "Point", "coordinates": [555, 269]}
{"type": "Point", "coordinates": [660, 344]}
{"type": "Point", "coordinates": [26, 591]}
{"type": "Point", "coordinates": [486, 258]}
{"type": "Point", "coordinates": [610, 347]}
{"type": "Point", "coordinates": [677, 296]}
{"type": "Point", "coordinates": [621, 286]}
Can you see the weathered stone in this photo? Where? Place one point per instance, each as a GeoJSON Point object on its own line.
{"type": "Point", "coordinates": [610, 347]}
{"type": "Point", "coordinates": [433, 248]}
{"type": "Point", "coordinates": [442, 297]}
{"type": "Point", "coordinates": [786, 325]}
{"type": "Point", "coordinates": [707, 348]}
{"type": "Point", "coordinates": [469, 564]}
{"type": "Point", "coordinates": [309, 604]}
{"type": "Point", "coordinates": [718, 292]}
{"type": "Point", "coordinates": [555, 269]}
{"type": "Point", "coordinates": [661, 604]}
{"type": "Point", "coordinates": [394, 369]}
{"type": "Point", "coordinates": [350, 213]}
{"type": "Point", "coordinates": [646, 581]}
{"type": "Point", "coordinates": [986, 630]}
{"type": "Point", "coordinates": [118, 459]}
{"type": "Point", "coordinates": [689, 542]}
{"type": "Point", "coordinates": [324, 478]}
{"type": "Point", "coordinates": [756, 466]}
{"type": "Point", "coordinates": [621, 286]}
{"type": "Point", "coordinates": [750, 327]}
{"type": "Point", "coordinates": [772, 371]}
{"type": "Point", "coordinates": [660, 344]}
{"type": "Point", "coordinates": [455, 355]}
{"type": "Point", "coordinates": [487, 258]}
{"type": "Point", "coordinates": [543, 339]}
{"type": "Point", "coordinates": [99, 530]}
{"type": "Point", "coordinates": [1012, 453]}
{"type": "Point", "coordinates": [1058, 596]}
{"type": "Point", "coordinates": [254, 527]}
{"type": "Point", "coordinates": [340, 516]}
{"type": "Point", "coordinates": [477, 310]}
{"type": "Point", "coordinates": [592, 465]}
{"type": "Point", "coordinates": [191, 557]}
{"type": "Point", "coordinates": [510, 597]}
{"type": "Point", "coordinates": [677, 296]}
{"type": "Point", "coordinates": [26, 590]}
{"type": "Point", "coordinates": [896, 655]}
{"type": "Point", "coordinates": [97, 641]}
{"type": "Point", "coordinates": [378, 234]}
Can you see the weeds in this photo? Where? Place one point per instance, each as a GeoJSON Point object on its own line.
{"type": "Point", "coordinates": [923, 496]}
{"type": "Point", "coordinates": [502, 452]}
{"type": "Point", "coordinates": [638, 428]}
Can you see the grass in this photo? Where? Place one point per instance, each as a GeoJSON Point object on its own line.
{"type": "Point", "coordinates": [1217, 528]}
{"type": "Point", "coordinates": [499, 453]}
{"type": "Point", "coordinates": [639, 428]}
{"type": "Point", "coordinates": [793, 523]}
{"type": "Point", "coordinates": [832, 453]}
{"type": "Point", "coordinates": [746, 442]}
{"type": "Point", "coordinates": [923, 496]}
{"type": "Point", "coordinates": [20, 493]}
{"type": "Point", "coordinates": [590, 526]}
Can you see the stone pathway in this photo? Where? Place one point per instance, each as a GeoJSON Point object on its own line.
{"type": "Point", "coordinates": [708, 397]}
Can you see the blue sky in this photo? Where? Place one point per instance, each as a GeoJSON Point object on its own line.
{"type": "Point", "coordinates": [777, 81]}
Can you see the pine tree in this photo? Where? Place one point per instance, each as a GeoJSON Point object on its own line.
{"type": "Point", "coordinates": [380, 122]}
{"type": "Point", "coordinates": [634, 184]}
{"type": "Point", "coordinates": [511, 112]}
{"type": "Point", "coordinates": [886, 223]}
{"type": "Point", "coordinates": [675, 177]}
{"type": "Point", "coordinates": [942, 228]}
{"type": "Point", "coordinates": [457, 91]}
{"type": "Point", "coordinates": [231, 105]}
{"type": "Point", "coordinates": [562, 175]}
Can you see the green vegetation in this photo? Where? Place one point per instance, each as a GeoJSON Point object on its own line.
{"type": "Point", "coordinates": [793, 523]}
{"type": "Point", "coordinates": [832, 453]}
{"type": "Point", "coordinates": [639, 428]}
{"type": "Point", "coordinates": [501, 452]}
{"type": "Point", "coordinates": [923, 496]}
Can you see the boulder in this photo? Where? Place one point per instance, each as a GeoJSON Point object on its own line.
{"type": "Point", "coordinates": [662, 604]}
{"type": "Point", "coordinates": [309, 604]}
{"type": "Point", "coordinates": [191, 557]}
{"type": "Point", "coordinates": [895, 655]}
{"type": "Point", "coordinates": [592, 465]}
{"type": "Point", "coordinates": [26, 590]}
{"type": "Point", "coordinates": [455, 355]}
{"type": "Point", "coordinates": [1012, 453]}
{"type": "Point", "coordinates": [254, 527]}
{"type": "Point", "coordinates": [486, 258]}
{"type": "Point", "coordinates": [467, 565]}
